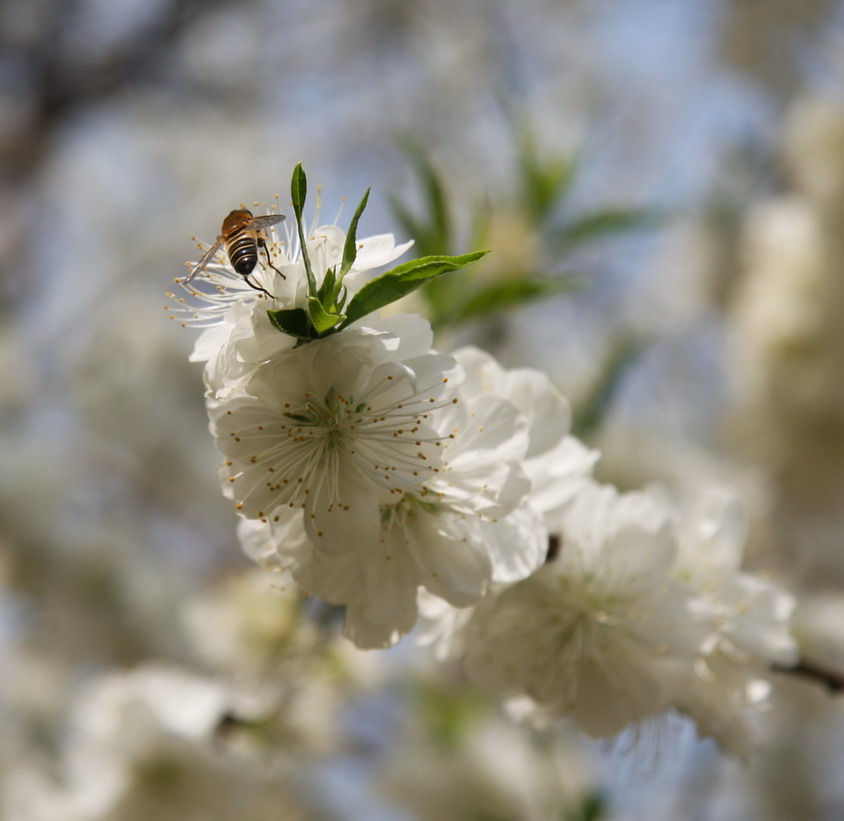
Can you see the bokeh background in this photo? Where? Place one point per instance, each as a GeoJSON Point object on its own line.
{"type": "Point", "coordinates": [673, 170]}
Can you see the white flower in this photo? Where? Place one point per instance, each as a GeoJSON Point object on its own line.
{"type": "Point", "coordinates": [249, 624]}
{"type": "Point", "coordinates": [814, 146]}
{"type": "Point", "coordinates": [236, 347]}
{"type": "Point", "coordinates": [292, 678]}
{"type": "Point", "coordinates": [753, 617]}
{"type": "Point", "coordinates": [129, 727]}
{"type": "Point", "coordinates": [443, 627]}
{"type": "Point", "coordinates": [595, 634]}
{"type": "Point", "coordinates": [146, 744]}
{"type": "Point", "coordinates": [445, 537]}
{"type": "Point", "coordinates": [558, 464]}
{"type": "Point", "coordinates": [753, 612]}
{"type": "Point", "coordinates": [781, 309]}
{"type": "Point", "coordinates": [336, 428]}
{"type": "Point", "coordinates": [466, 526]}
{"type": "Point", "coordinates": [493, 769]}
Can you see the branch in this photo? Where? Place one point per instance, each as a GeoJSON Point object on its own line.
{"type": "Point", "coordinates": [832, 680]}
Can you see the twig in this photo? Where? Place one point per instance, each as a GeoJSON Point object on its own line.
{"type": "Point", "coordinates": [832, 680]}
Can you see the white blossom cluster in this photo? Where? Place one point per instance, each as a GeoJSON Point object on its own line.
{"type": "Point", "coordinates": [386, 476]}
{"type": "Point", "coordinates": [148, 744]}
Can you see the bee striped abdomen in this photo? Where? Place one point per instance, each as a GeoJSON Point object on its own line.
{"type": "Point", "coordinates": [242, 248]}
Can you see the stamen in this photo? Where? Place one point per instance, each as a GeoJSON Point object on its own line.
{"type": "Point", "coordinates": [340, 210]}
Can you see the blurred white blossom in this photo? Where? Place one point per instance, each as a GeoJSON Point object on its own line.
{"type": "Point", "coordinates": [595, 634]}
{"type": "Point", "coordinates": [752, 621]}
{"type": "Point", "coordinates": [495, 770]}
{"type": "Point", "coordinates": [146, 744]}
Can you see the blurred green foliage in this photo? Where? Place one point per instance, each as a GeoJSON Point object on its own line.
{"type": "Point", "coordinates": [541, 192]}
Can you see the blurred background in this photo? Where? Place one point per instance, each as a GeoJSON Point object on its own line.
{"type": "Point", "coordinates": [661, 183]}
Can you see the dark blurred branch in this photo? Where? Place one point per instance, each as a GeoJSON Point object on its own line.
{"type": "Point", "coordinates": [56, 64]}
{"type": "Point", "coordinates": [832, 680]}
{"type": "Point", "coordinates": [63, 76]}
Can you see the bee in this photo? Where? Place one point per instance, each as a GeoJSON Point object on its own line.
{"type": "Point", "coordinates": [242, 235]}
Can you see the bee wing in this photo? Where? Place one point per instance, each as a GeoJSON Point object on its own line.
{"type": "Point", "coordinates": [266, 221]}
{"type": "Point", "coordinates": [204, 260]}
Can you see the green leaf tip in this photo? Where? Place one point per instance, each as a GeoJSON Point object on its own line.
{"type": "Point", "coordinates": [298, 193]}
{"type": "Point", "coordinates": [350, 249]}
{"type": "Point", "coordinates": [298, 189]}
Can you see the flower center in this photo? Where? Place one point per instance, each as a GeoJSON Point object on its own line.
{"type": "Point", "coordinates": [333, 422]}
{"type": "Point", "coordinates": [323, 449]}
{"type": "Point", "coordinates": [405, 511]}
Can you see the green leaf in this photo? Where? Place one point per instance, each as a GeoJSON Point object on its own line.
{"type": "Point", "coordinates": [592, 808]}
{"type": "Point", "coordinates": [508, 294]}
{"type": "Point", "coordinates": [298, 189]}
{"type": "Point", "coordinates": [326, 290]}
{"type": "Point", "coordinates": [298, 192]}
{"type": "Point", "coordinates": [403, 280]}
{"type": "Point", "coordinates": [592, 410]}
{"type": "Point", "coordinates": [610, 221]}
{"type": "Point", "coordinates": [411, 226]}
{"type": "Point", "coordinates": [350, 250]}
{"type": "Point", "coordinates": [293, 322]}
{"type": "Point", "coordinates": [433, 231]}
{"type": "Point", "coordinates": [544, 182]}
{"type": "Point", "coordinates": [437, 200]}
{"type": "Point", "coordinates": [340, 294]}
{"type": "Point", "coordinates": [551, 183]}
{"type": "Point", "coordinates": [321, 319]}
{"type": "Point", "coordinates": [449, 716]}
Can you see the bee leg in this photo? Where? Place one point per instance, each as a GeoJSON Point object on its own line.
{"type": "Point", "coordinates": [257, 287]}
{"type": "Point", "coordinates": [263, 244]}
